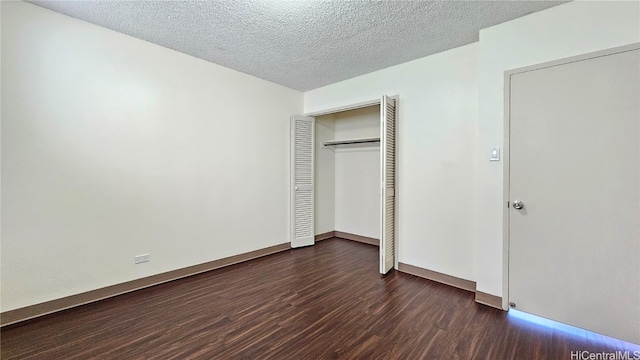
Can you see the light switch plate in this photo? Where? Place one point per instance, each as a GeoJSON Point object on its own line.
{"type": "Point", "coordinates": [495, 154]}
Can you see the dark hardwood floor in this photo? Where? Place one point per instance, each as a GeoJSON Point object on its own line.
{"type": "Point", "coordinates": [320, 302]}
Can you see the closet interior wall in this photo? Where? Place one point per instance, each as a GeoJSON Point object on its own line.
{"type": "Point", "coordinates": [347, 178]}
{"type": "Point", "coordinates": [324, 181]}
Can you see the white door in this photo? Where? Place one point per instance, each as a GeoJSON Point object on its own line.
{"type": "Point", "coordinates": [388, 176]}
{"type": "Point", "coordinates": [302, 157]}
{"type": "Point", "coordinates": [574, 245]}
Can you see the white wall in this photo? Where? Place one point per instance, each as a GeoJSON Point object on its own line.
{"type": "Point", "coordinates": [324, 180]}
{"type": "Point", "coordinates": [436, 148]}
{"type": "Point", "coordinates": [113, 147]}
{"type": "Point", "coordinates": [357, 173]}
{"type": "Point", "coordinates": [571, 29]}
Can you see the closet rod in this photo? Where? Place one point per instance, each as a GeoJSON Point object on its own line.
{"type": "Point", "coordinates": [351, 142]}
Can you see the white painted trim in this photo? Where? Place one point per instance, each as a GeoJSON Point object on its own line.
{"type": "Point", "coordinates": [506, 187]}
{"type": "Point", "coordinates": [587, 56]}
{"type": "Point", "coordinates": [360, 105]}
{"type": "Point", "coordinates": [506, 152]}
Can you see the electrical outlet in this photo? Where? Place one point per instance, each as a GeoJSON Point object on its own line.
{"type": "Point", "coordinates": [142, 258]}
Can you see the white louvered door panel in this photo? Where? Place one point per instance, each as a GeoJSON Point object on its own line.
{"type": "Point", "coordinates": [302, 159]}
{"type": "Point", "coordinates": [388, 176]}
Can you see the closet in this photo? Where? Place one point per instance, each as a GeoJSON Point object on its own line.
{"type": "Point", "coordinates": [343, 176]}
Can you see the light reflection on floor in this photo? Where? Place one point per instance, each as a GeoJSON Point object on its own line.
{"type": "Point", "coordinates": [519, 316]}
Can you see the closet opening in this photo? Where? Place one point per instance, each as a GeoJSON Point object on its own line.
{"type": "Point", "coordinates": [343, 177]}
{"type": "Point", "coordinates": [347, 174]}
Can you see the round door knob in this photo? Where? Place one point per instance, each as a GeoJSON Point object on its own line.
{"type": "Point", "coordinates": [518, 204]}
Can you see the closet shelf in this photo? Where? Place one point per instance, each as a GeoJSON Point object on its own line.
{"type": "Point", "coordinates": [351, 142]}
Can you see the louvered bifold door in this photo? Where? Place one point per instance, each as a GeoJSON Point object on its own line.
{"type": "Point", "coordinates": [388, 175]}
{"type": "Point", "coordinates": [302, 158]}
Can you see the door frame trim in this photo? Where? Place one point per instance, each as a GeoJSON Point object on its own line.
{"type": "Point", "coordinates": [343, 108]}
{"type": "Point", "coordinates": [506, 146]}
{"type": "Point", "coordinates": [364, 104]}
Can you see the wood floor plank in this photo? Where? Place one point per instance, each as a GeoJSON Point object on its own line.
{"type": "Point", "coordinates": [322, 302]}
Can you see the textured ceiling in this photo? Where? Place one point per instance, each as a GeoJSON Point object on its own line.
{"type": "Point", "coordinates": [301, 44]}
